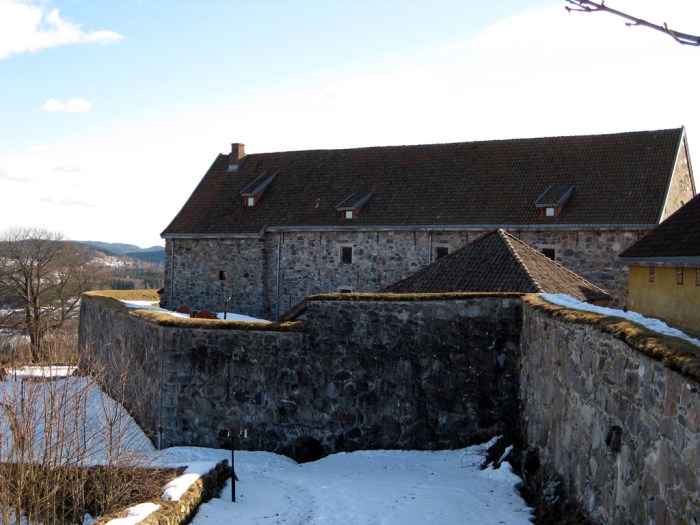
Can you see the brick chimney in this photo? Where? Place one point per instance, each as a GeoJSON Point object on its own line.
{"type": "Point", "coordinates": [234, 158]}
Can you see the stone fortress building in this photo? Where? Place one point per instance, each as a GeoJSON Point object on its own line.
{"type": "Point", "coordinates": [267, 230]}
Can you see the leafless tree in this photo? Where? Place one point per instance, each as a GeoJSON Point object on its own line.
{"type": "Point", "coordinates": [41, 278]}
{"type": "Point", "coordinates": [588, 6]}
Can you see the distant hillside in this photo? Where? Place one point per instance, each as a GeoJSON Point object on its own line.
{"type": "Point", "coordinates": [154, 254]}
{"type": "Point", "coordinates": [120, 248]}
{"type": "Point", "coordinates": [149, 255]}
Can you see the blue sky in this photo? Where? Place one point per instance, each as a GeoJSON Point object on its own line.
{"type": "Point", "coordinates": [112, 110]}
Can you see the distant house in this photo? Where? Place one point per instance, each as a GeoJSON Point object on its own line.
{"type": "Point", "coordinates": [498, 262]}
{"type": "Point", "coordinates": [664, 269]}
{"type": "Point", "coordinates": [269, 229]}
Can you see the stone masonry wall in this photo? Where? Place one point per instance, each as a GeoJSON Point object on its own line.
{"type": "Point", "coordinates": [590, 253]}
{"type": "Point", "coordinates": [126, 354]}
{"type": "Point", "coordinates": [366, 374]}
{"type": "Point", "coordinates": [621, 429]}
{"type": "Point", "coordinates": [301, 264]}
{"type": "Point", "coordinates": [193, 274]}
{"type": "Point", "coordinates": [681, 189]}
{"type": "Point", "coordinates": [405, 374]}
{"type": "Point", "coordinates": [266, 277]}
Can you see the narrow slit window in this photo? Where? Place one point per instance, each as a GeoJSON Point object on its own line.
{"type": "Point", "coordinates": [222, 275]}
{"type": "Point", "coordinates": [549, 252]}
{"type": "Point", "coordinates": [652, 274]}
{"type": "Point", "coordinates": [679, 275]}
{"type": "Point", "coordinates": [346, 255]}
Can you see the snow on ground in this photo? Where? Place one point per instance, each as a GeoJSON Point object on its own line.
{"type": "Point", "coordinates": [92, 425]}
{"type": "Point", "coordinates": [655, 325]}
{"type": "Point", "coordinates": [135, 514]}
{"type": "Point", "coordinates": [230, 316]}
{"type": "Point", "coordinates": [361, 488]}
{"type": "Point", "coordinates": [41, 371]}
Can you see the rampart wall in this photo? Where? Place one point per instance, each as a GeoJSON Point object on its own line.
{"type": "Point", "coordinates": [368, 374]}
{"type": "Point", "coordinates": [612, 409]}
{"type": "Point", "coordinates": [605, 410]}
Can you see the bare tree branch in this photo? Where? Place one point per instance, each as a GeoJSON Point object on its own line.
{"type": "Point", "coordinates": [587, 6]}
{"type": "Point", "coordinates": [42, 275]}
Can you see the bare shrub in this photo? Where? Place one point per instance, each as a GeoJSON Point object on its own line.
{"type": "Point", "coordinates": [51, 431]}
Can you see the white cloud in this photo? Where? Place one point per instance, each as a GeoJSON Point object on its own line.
{"type": "Point", "coordinates": [25, 27]}
{"type": "Point", "coordinates": [68, 168]}
{"type": "Point", "coordinates": [4, 175]}
{"type": "Point", "coordinates": [66, 202]}
{"type": "Point", "coordinates": [74, 105]}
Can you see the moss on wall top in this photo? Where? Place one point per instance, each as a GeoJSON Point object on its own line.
{"type": "Point", "coordinates": [416, 297]}
{"type": "Point", "coordinates": [675, 353]}
{"type": "Point", "coordinates": [113, 300]}
{"type": "Point", "coordinates": [127, 295]}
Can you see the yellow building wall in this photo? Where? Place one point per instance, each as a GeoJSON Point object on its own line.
{"type": "Point", "coordinates": [677, 303]}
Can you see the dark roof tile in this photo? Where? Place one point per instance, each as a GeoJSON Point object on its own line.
{"type": "Point", "coordinates": [498, 262]}
{"type": "Point", "coordinates": [619, 179]}
{"type": "Point", "coordinates": [677, 237]}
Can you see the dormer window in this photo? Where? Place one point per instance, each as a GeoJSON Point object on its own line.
{"type": "Point", "coordinates": [350, 206]}
{"type": "Point", "coordinates": [551, 201]}
{"type": "Point", "coordinates": [253, 192]}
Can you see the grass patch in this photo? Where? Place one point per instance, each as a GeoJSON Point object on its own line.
{"type": "Point", "coordinates": [126, 295]}
{"type": "Point", "coordinates": [675, 353]}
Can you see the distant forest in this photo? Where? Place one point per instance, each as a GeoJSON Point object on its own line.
{"type": "Point", "coordinates": [143, 269]}
{"type": "Point", "coordinates": [137, 278]}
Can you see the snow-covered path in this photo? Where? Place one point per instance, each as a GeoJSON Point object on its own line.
{"type": "Point", "coordinates": [362, 488]}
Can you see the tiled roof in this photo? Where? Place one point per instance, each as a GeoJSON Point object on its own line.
{"type": "Point", "coordinates": [676, 237]}
{"type": "Point", "coordinates": [498, 262]}
{"type": "Point", "coordinates": [618, 179]}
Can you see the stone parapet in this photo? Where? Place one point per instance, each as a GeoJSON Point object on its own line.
{"type": "Point", "coordinates": [423, 374]}
{"type": "Point", "coordinates": [619, 426]}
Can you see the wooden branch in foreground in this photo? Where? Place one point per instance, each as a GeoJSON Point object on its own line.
{"type": "Point", "coordinates": [588, 6]}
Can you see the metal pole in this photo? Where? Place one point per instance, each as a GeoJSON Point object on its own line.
{"type": "Point", "coordinates": [233, 473]}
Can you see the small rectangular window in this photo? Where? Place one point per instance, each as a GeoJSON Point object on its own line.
{"type": "Point", "coordinates": [679, 275]}
{"type": "Point", "coordinates": [344, 290]}
{"type": "Point", "coordinates": [349, 214]}
{"type": "Point", "coordinates": [250, 201]}
{"type": "Point", "coordinates": [346, 254]}
{"type": "Point", "coordinates": [222, 275]}
{"type": "Point", "coordinates": [549, 252]}
{"type": "Point", "coordinates": [441, 252]}
{"type": "Point", "coordinates": [652, 274]}
{"type": "Point", "coordinates": [549, 212]}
